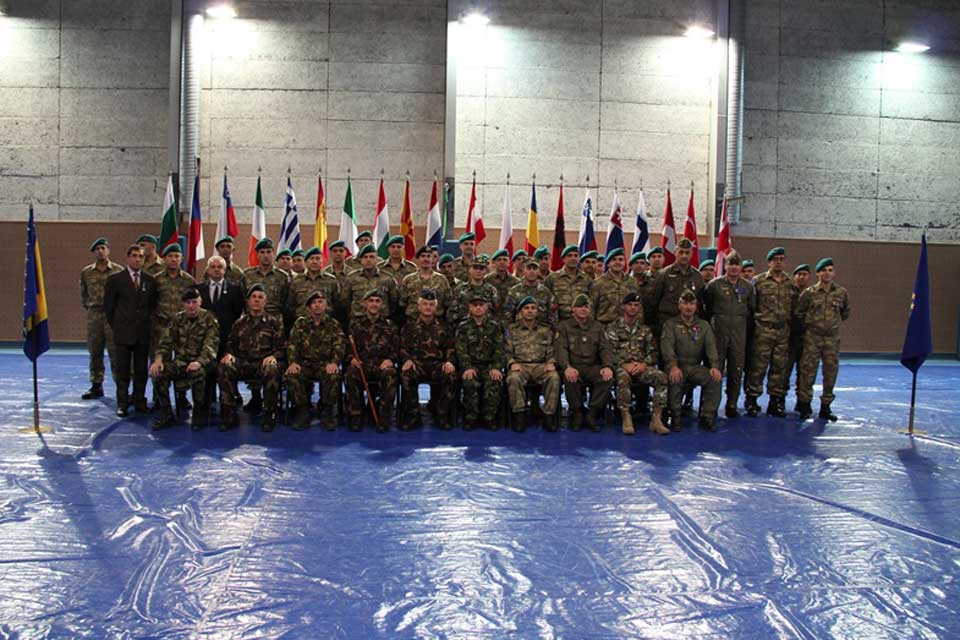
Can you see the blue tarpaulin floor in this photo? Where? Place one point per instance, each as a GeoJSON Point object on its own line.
{"type": "Point", "coordinates": [766, 529]}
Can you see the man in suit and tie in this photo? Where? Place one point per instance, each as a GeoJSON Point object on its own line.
{"type": "Point", "coordinates": [225, 299]}
{"type": "Point", "coordinates": [128, 302]}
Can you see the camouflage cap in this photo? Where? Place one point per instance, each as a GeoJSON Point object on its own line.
{"type": "Point", "coordinates": [582, 300]}
{"type": "Point", "coordinates": [531, 264]}
{"type": "Point", "coordinates": [171, 248]}
{"type": "Point", "coordinates": [101, 241]}
{"type": "Point", "coordinates": [254, 288]}
{"type": "Point", "coordinates": [776, 251]}
{"type": "Point", "coordinates": [823, 263]}
{"type": "Point", "coordinates": [481, 260]}
{"type": "Point", "coordinates": [222, 239]}
{"type": "Point", "coordinates": [366, 249]}
{"type": "Point", "coordinates": [264, 243]}
{"type": "Point", "coordinates": [801, 267]}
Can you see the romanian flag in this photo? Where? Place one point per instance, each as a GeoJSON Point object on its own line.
{"type": "Point", "coordinates": [36, 336]}
{"type": "Point", "coordinates": [533, 236]}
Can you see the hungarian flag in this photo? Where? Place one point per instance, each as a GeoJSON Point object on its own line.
{"type": "Point", "coordinates": [615, 234]}
{"type": "Point", "coordinates": [407, 229]}
{"type": "Point", "coordinates": [381, 225]}
{"type": "Point", "coordinates": [641, 232]}
{"type": "Point", "coordinates": [533, 235]}
{"type": "Point", "coordinates": [506, 226]}
{"type": "Point", "coordinates": [258, 226]}
{"type": "Point", "coordinates": [690, 232]}
{"type": "Point", "coordinates": [168, 224]}
{"type": "Point", "coordinates": [724, 246]}
{"type": "Point", "coordinates": [559, 237]}
{"type": "Point", "coordinates": [587, 240]}
{"type": "Point", "coordinates": [474, 217]}
{"type": "Point", "coordinates": [195, 251]}
{"type": "Point", "coordinates": [227, 222]}
{"type": "Point", "coordinates": [434, 229]}
{"type": "Point", "coordinates": [348, 221]}
{"type": "Point", "coordinates": [320, 222]}
{"type": "Point", "coordinates": [668, 236]}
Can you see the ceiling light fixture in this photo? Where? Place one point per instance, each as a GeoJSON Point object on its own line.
{"type": "Point", "coordinates": [475, 19]}
{"type": "Point", "coordinates": [698, 32]}
{"type": "Point", "coordinates": [912, 47]}
{"type": "Point", "coordinates": [223, 10]}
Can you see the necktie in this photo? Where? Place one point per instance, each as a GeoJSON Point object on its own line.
{"type": "Point", "coordinates": [216, 292]}
{"type": "Point", "coordinates": [136, 280]}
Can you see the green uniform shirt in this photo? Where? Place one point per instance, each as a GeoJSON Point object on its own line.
{"type": "Point", "coordinates": [670, 283]}
{"type": "Point", "coordinates": [775, 300]}
{"type": "Point", "coordinates": [530, 344]}
{"type": "Point", "coordinates": [316, 343]}
{"type": "Point", "coordinates": [631, 342]}
{"type": "Point", "coordinates": [92, 283]}
{"type": "Point", "coordinates": [275, 282]}
{"type": "Point", "coordinates": [169, 292]}
{"type": "Point", "coordinates": [303, 285]}
{"type": "Point", "coordinates": [413, 285]}
{"type": "Point", "coordinates": [361, 282]}
{"type": "Point", "coordinates": [607, 294]}
{"type": "Point", "coordinates": [566, 288]}
{"type": "Point", "coordinates": [480, 346]}
{"type": "Point", "coordinates": [582, 344]}
{"type": "Point", "coordinates": [822, 308]}
{"type": "Point", "coordinates": [683, 344]}
{"type": "Point", "coordinates": [190, 339]}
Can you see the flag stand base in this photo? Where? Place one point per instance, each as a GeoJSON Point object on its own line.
{"type": "Point", "coordinates": [40, 429]}
{"type": "Point", "coordinates": [915, 432]}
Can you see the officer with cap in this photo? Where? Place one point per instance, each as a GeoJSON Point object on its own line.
{"type": "Point", "coordinates": [749, 271]}
{"type": "Point", "coordinates": [152, 264]}
{"type": "Point", "coordinates": [315, 350]}
{"type": "Point", "coordinates": [474, 285]}
{"type": "Point", "coordinates": [364, 238]}
{"type": "Point", "coordinates": [542, 256]}
{"type": "Point", "coordinates": [590, 264]}
{"type": "Point", "coordinates": [234, 274]}
{"type": "Point", "coordinates": [468, 252]}
{"type": "Point", "coordinates": [531, 359]}
{"type": "Point", "coordinates": [424, 279]}
{"type": "Point", "coordinates": [445, 267]}
{"type": "Point", "coordinates": [481, 356]}
{"type": "Point", "coordinates": [584, 358]}
{"type": "Point", "coordinates": [275, 282]}
{"type": "Point", "coordinates": [637, 267]}
{"type": "Point", "coordinates": [377, 341]}
{"type": "Point", "coordinates": [607, 291]}
{"type": "Point", "coordinates": [427, 351]}
{"type": "Point", "coordinates": [502, 280]}
{"type": "Point", "coordinates": [369, 276]}
{"type": "Point", "coordinates": [299, 263]}
{"type": "Point", "coordinates": [93, 282]}
{"type": "Point", "coordinates": [171, 283]}
{"type": "Point", "coordinates": [707, 270]}
{"type": "Point", "coordinates": [285, 261]}
{"type": "Point", "coordinates": [569, 282]}
{"type": "Point", "coordinates": [530, 286]}
{"type": "Point", "coordinates": [801, 280]}
{"type": "Point", "coordinates": [395, 265]}
{"type": "Point", "coordinates": [672, 281]}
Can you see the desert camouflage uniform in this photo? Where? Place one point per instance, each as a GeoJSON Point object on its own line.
{"type": "Point", "coordinates": [532, 347]}
{"type": "Point", "coordinates": [635, 343]}
{"type": "Point", "coordinates": [771, 336]}
{"type": "Point", "coordinates": [607, 292]}
{"type": "Point", "coordinates": [99, 333]}
{"type": "Point", "coordinates": [565, 288]}
{"type": "Point", "coordinates": [821, 308]}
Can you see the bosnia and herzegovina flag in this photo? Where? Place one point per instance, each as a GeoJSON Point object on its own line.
{"type": "Point", "coordinates": [918, 343]}
{"type": "Point", "coordinates": [36, 336]}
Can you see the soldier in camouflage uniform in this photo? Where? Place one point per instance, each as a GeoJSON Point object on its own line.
{"type": "Point", "coordinates": [776, 297]}
{"type": "Point", "coordinates": [299, 264]}
{"type": "Point", "coordinates": [368, 277]}
{"type": "Point", "coordinates": [337, 269]}
{"type": "Point", "coordinates": [254, 350]}
{"type": "Point", "coordinates": [425, 279]}
{"type": "Point", "coordinates": [531, 359]}
{"type": "Point", "coordinates": [314, 353]}
{"type": "Point", "coordinates": [749, 271]}
{"type": "Point", "coordinates": [801, 280]}
{"type": "Point", "coordinates": [152, 264]}
{"type": "Point", "coordinates": [234, 274]}
{"type": "Point", "coordinates": [445, 268]}
{"type": "Point", "coordinates": [187, 352]}
{"type": "Point", "coordinates": [170, 286]}
{"type": "Point", "coordinates": [285, 261]}
{"type": "Point", "coordinates": [585, 359]}
{"type": "Point", "coordinates": [707, 269]}
{"type": "Point", "coordinates": [590, 264]}
{"type": "Point", "coordinates": [363, 239]}
{"type": "Point", "coordinates": [672, 281]}
{"type": "Point", "coordinates": [376, 339]}
{"type": "Point", "coordinates": [305, 284]}
{"type": "Point", "coordinates": [459, 308]}
{"type": "Point", "coordinates": [468, 253]}
{"type": "Point", "coordinates": [687, 341]}
{"type": "Point", "coordinates": [427, 351]}
{"type": "Point", "coordinates": [607, 292]}
{"type": "Point", "coordinates": [638, 266]}
{"type": "Point", "coordinates": [635, 358]}
{"type": "Point", "coordinates": [728, 304]}
{"type": "Point", "coordinates": [395, 265]}
{"type": "Point", "coordinates": [93, 279]}
{"type": "Point", "coordinates": [481, 353]}
{"type": "Point", "coordinates": [569, 282]}
{"type": "Point", "coordinates": [542, 256]}
{"type": "Point", "coordinates": [502, 280]}
{"type": "Point", "coordinates": [530, 287]}
{"type": "Point", "coordinates": [821, 308]}
{"type": "Point", "coordinates": [648, 284]}
{"type": "Point", "coordinates": [275, 282]}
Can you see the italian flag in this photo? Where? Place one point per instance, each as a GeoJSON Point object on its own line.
{"type": "Point", "coordinates": [381, 225]}
{"type": "Point", "coordinates": [168, 224]}
{"type": "Point", "coordinates": [258, 226]}
{"type": "Point", "coordinates": [348, 221]}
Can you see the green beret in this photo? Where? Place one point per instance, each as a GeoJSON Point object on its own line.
{"type": "Point", "coordinates": [581, 300]}
{"type": "Point", "coordinates": [747, 263]}
{"type": "Point", "coordinates": [613, 254]}
{"type": "Point", "coordinates": [570, 248]}
{"type": "Point", "coordinates": [500, 253]}
{"type": "Point", "coordinates": [284, 252]}
{"type": "Point", "coordinates": [684, 243]}
{"type": "Point", "coordinates": [373, 293]}
{"type": "Point", "coordinates": [338, 244]}
{"type": "Point", "coordinates": [369, 248]}
{"type": "Point", "coordinates": [520, 253]}
{"type": "Point", "coordinates": [654, 251]}
{"type": "Point", "coordinates": [190, 293]}
{"type": "Point", "coordinates": [422, 250]}
{"type": "Point", "coordinates": [319, 293]}
{"type": "Point", "coordinates": [524, 301]}
{"type": "Point", "coordinates": [688, 296]}
{"type": "Point", "coordinates": [470, 235]}
{"type": "Point", "coordinates": [222, 240]}
{"type": "Point", "coordinates": [542, 252]}
{"type": "Point", "coordinates": [434, 247]}
{"type": "Point", "coordinates": [445, 258]}
{"type": "Point", "coordinates": [802, 267]}
{"type": "Point", "coordinates": [254, 288]}
{"type": "Point", "coordinates": [776, 251]}
{"type": "Point", "coordinates": [171, 248]}
{"type": "Point", "coordinates": [395, 240]}
{"type": "Point", "coordinates": [263, 243]}
{"type": "Point", "coordinates": [301, 253]}
{"type": "Point", "coordinates": [639, 255]}
{"type": "Point", "coordinates": [99, 241]}
{"type": "Point", "coordinates": [147, 238]}
{"type": "Point", "coordinates": [364, 234]}
{"type": "Point", "coordinates": [590, 254]}
{"type": "Point", "coordinates": [313, 251]}
{"type": "Point", "coordinates": [707, 263]}
{"type": "Point", "coordinates": [823, 263]}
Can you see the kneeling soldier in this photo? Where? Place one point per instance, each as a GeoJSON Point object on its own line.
{"type": "Point", "coordinates": [376, 340]}
{"type": "Point", "coordinates": [635, 358]}
{"type": "Point", "coordinates": [585, 358]}
{"type": "Point", "coordinates": [531, 358]}
{"type": "Point", "coordinates": [315, 351]}
{"type": "Point", "coordinates": [686, 342]}
{"type": "Point", "coordinates": [254, 349]}
{"type": "Point", "coordinates": [427, 352]}
{"type": "Point", "coordinates": [481, 353]}
{"type": "Point", "coordinates": [186, 352]}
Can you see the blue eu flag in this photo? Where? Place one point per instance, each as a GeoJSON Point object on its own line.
{"type": "Point", "coordinates": [918, 343]}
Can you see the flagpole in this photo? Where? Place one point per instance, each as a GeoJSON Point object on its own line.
{"type": "Point", "coordinates": [36, 394]}
{"type": "Point", "coordinates": [913, 403]}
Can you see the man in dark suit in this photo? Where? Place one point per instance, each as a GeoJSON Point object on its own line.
{"type": "Point", "coordinates": [128, 302]}
{"type": "Point", "coordinates": [226, 301]}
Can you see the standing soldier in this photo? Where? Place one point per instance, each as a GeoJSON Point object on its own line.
{"type": "Point", "coordinates": [337, 269]}
{"type": "Point", "coordinates": [187, 352]}
{"type": "Point", "coordinates": [542, 256]}
{"type": "Point", "coordinates": [93, 280]}
{"type": "Point", "coordinates": [475, 285]}
{"type": "Point", "coordinates": [481, 353]}
{"type": "Point", "coordinates": [607, 291]}
{"type": "Point", "coordinates": [285, 261]}
{"type": "Point", "coordinates": [446, 268]}
{"type": "Point", "coordinates": [275, 282]}
{"type": "Point", "coordinates": [376, 340]}
{"type": "Point", "coordinates": [585, 358]}
{"type": "Point", "coordinates": [468, 251]}
{"type": "Point", "coordinates": [530, 287]}
{"type": "Point", "coordinates": [427, 353]}
{"type": "Point", "coordinates": [367, 278]}
{"type": "Point", "coordinates": [686, 343]}
{"type": "Point", "coordinates": [531, 359]}
{"type": "Point", "coordinates": [152, 264]}
{"type": "Point", "coordinates": [363, 239]}
{"type": "Point", "coordinates": [502, 280]}
{"type": "Point", "coordinates": [171, 283]}
{"type": "Point", "coordinates": [776, 297]}
{"type": "Point", "coordinates": [424, 279]}
{"type": "Point", "coordinates": [638, 267]}
{"type": "Point", "coordinates": [635, 358]}
{"type": "Point", "coordinates": [590, 264]}
{"type": "Point", "coordinates": [299, 263]}
{"type": "Point", "coordinates": [749, 271]}
{"type": "Point", "coordinates": [314, 353]}
{"type": "Point", "coordinates": [254, 350]}
{"type": "Point", "coordinates": [305, 284]}
{"type": "Point", "coordinates": [655, 258]}
{"type": "Point", "coordinates": [728, 305]}
{"type": "Point", "coordinates": [821, 308]}
{"type": "Point", "coordinates": [233, 274]}
{"type": "Point", "coordinates": [801, 280]}
{"type": "Point", "coordinates": [707, 270]}
{"type": "Point", "coordinates": [395, 265]}
{"type": "Point", "coordinates": [674, 280]}
{"type": "Point", "coordinates": [569, 282]}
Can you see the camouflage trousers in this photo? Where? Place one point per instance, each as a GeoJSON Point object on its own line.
{"type": "Point", "coordinates": [100, 335]}
{"type": "Point", "coordinates": [589, 376]}
{"type": "Point", "coordinates": [481, 396]}
{"type": "Point", "coordinates": [651, 377]}
{"type": "Point", "coordinates": [157, 328]}
{"type": "Point", "coordinates": [817, 348]}
{"type": "Point", "coordinates": [517, 382]}
{"type": "Point", "coordinates": [770, 343]}
{"type": "Point", "coordinates": [299, 385]}
{"type": "Point", "coordinates": [182, 379]}
{"type": "Point", "coordinates": [442, 387]}
{"type": "Point", "coordinates": [386, 379]}
{"type": "Point", "coordinates": [794, 354]}
{"type": "Point", "coordinates": [696, 376]}
{"type": "Point", "coordinates": [228, 375]}
{"type": "Point", "coordinates": [732, 349]}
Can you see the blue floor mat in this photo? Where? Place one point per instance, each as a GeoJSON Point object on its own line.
{"type": "Point", "coordinates": [766, 529]}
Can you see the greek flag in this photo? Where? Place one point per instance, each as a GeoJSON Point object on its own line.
{"type": "Point", "coordinates": [290, 225]}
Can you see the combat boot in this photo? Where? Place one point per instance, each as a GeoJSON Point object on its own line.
{"type": "Point", "coordinates": [803, 409]}
{"type": "Point", "coordinates": [708, 423]}
{"type": "Point", "coordinates": [549, 422]}
{"type": "Point", "coordinates": [656, 422]}
{"type": "Point", "coordinates": [627, 421]}
{"type": "Point", "coordinates": [198, 420]}
{"type": "Point", "coordinates": [95, 391]}
{"type": "Point", "coordinates": [301, 419]}
{"type": "Point", "coordinates": [183, 405]}
{"type": "Point", "coordinates": [731, 411]}
{"type": "Point", "coordinates": [165, 420]}
{"type": "Point", "coordinates": [774, 409]}
{"type": "Point", "coordinates": [753, 409]}
{"type": "Point", "coordinates": [228, 419]}
{"type": "Point", "coordinates": [592, 420]}
{"type": "Point", "coordinates": [576, 420]}
{"type": "Point", "coordinates": [519, 420]}
{"type": "Point", "coordinates": [328, 419]}
{"type": "Point", "coordinates": [676, 421]}
{"type": "Point", "coordinates": [255, 405]}
{"type": "Point", "coordinates": [269, 421]}
{"type": "Point", "coordinates": [826, 414]}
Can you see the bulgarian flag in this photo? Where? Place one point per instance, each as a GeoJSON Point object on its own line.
{"type": "Point", "coordinates": [406, 224]}
{"type": "Point", "coordinates": [320, 222]}
{"type": "Point", "coordinates": [258, 226]}
{"type": "Point", "coordinates": [348, 221]}
{"type": "Point", "coordinates": [381, 225]}
{"type": "Point", "coordinates": [168, 225]}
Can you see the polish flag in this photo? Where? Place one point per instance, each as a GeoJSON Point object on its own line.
{"type": "Point", "coordinates": [475, 217]}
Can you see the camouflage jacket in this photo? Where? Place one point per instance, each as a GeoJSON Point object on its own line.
{"type": "Point", "coordinates": [461, 269]}
{"type": "Point", "coordinates": [671, 282]}
{"type": "Point", "coordinates": [631, 342]}
{"type": "Point", "coordinates": [822, 308]}
{"type": "Point", "coordinates": [360, 282]}
{"type": "Point", "coordinates": [169, 292]}
{"type": "Point", "coordinates": [303, 285]}
{"type": "Point", "coordinates": [92, 282]}
{"type": "Point", "coordinates": [530, 344]}
{"type": "Point", "coordinates": [503, 284]}
{"type": "Point", "coordinates": [480, 346]}
{"type": "Point", "coordinates": [582, 345]}
{"type": "Point", "coordinates": [459, 306]}
{"type": "Point", "coordinates": [546, 302]}
{"type": "Point", "coordinates": [775, 300]}
{"type": "Point", "coordinates": [413, 285]}
{"type": "Point", "coordinates": [606, 293]}
{"type": "Point", "coordinates": [275, 282]}
{"type": "Point", "coordinates": [426, 342]}
{"type": "Point", "coordinates": [154, 268]}
{"type": "Point", "coordinates": [685, 344]}
{"type": "Point", "coordinates": [188, 339]}
{"type": "Point", "coordinates": [316, 343]}
{"type": "Point", "coordinates": [398, 273]}
{"type": "Point", "coordinates": [234, 275]}
{"type": "Point", "coordinates": [646, 287]}
{"type": "Point", "coordinates": [377, 340]}
{"type": "Point", "coordinates": [566, 288]}
{"type": "Point", "coordinates": [253, 338]}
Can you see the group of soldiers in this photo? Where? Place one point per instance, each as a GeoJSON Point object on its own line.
{"type": "Point", "coordinates": [471, 324]}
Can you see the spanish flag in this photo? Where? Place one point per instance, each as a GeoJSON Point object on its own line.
{"type": "Point", "coordinates": [36, 337]}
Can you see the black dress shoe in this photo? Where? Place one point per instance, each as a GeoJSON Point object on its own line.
{"type": "Point", "coordinates": [164, 421]}
{"type": "Point", "coordinates": [123, 411]}
{"type": "Point", "coordinates": [95, 391]}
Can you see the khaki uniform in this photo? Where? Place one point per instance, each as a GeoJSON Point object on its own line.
{"type": "Point", "coordinates": [646, 286]}
{"type": "Point", "coordinates": [729, 308]}
{"type": "Point", "coordinates": [686, 346]}
{"type": "Point", "coordinates": [607, 294]}
{"type": "Point", "coordinates": [154, 268]}
{"type": "Point", "coordinates": [302, 286]}
{"type": "Point", "coordinates": [187, 340]}
{"type": "Point", "coordinates": [532, 347]}
{"type": "Point", "coordinates": [340, 308]}
{"type": "Point", "coordinates": [635, 343]}
{"type": "Point", "coordinates": [503, 285]}
{"type": "Point", "coordinates": [461, 269]}
{"type": "Point", "coordinates": [234, 275]}
{"type": "Point", "coordinates": [546, 302]}
{"type": "Point", "coordinates": [99, 333]}
{"type": "Point", "coordinates": [480, 347]}
{"type": "Point", "coordinates": [775, 302]}
{"type": "Point", "coordinates": [566, 288]}
{"type": "Point", "coordinates": [413, 285]}
{"type": "Point", "coordinates": [670, 283]}
{"type": "Point", "coordinates": [169, 304]}
{"type": "Point", "coordinates": [314, 345]}
{"type": "Point", "coordinates": [821, 308]}
{"type": "Point", "coordinates": [584, 348]}
{"type": "Point", "coordinates": [275, 282]}
{"type": "Point", "coordinates": [360, 282]}
{"type": "Point", "coordinates": [398, 272]}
